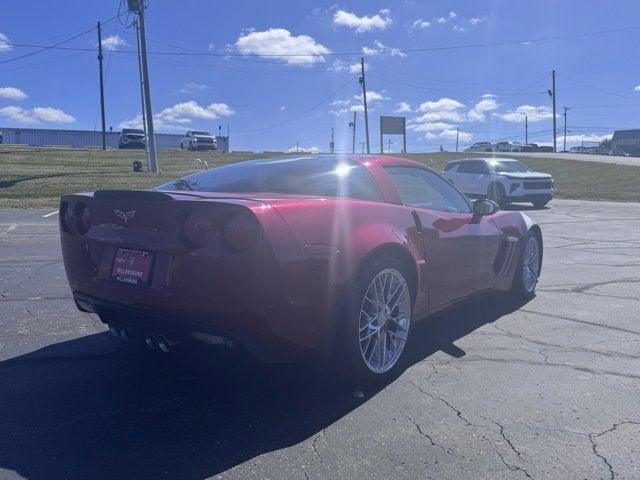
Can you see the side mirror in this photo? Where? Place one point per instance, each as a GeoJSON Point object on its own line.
{"type": "Point", "coordinates": [484, 207]}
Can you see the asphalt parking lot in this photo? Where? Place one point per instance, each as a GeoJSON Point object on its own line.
{"type": "Point", "coordinates": [545, 390]}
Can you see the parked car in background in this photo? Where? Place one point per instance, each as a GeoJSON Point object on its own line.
{"type": "Point", "coordinates": [480, 147]}
{"type": "Point", "coordinates": [198, 140]}
{"type": "Point", "coordinates": [577, 150]}
{"type": "Point", "coordinates": [531, 147]}
{"type": "Point", "coordinates": [516, 147]}
{"type": "Point", "coordinates": [132, 138]}
{"type": "Point", "coordinates": [247, 255]}
{"type": "Point", "coordinates": [503, 180]}
{"type": "Point", "coordinates": [503, 147]}
{"type": "Point", "coordinates": [545, 148]}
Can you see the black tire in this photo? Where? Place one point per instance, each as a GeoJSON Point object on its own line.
{"type": "Point", "coordinates": [497, 194]}
{"type": "Point", "coordinates": [350, 364]}
{"type": "Point", "coordinates": [540, 204]}
{"type": "Point", "coordinates": [519, 288]}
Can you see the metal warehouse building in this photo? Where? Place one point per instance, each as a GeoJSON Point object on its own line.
{"type": "Point", "coordinates": [36, 137]}
{"type": "Point", "coordinates": [625, 141]}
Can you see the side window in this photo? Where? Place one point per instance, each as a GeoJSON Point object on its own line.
{"type": "Point", "coordinates": [450, 166]}
{"type": "Point", "coordinates": [421, 188]}
{"type": "Point", "coordinates": [476, 167]}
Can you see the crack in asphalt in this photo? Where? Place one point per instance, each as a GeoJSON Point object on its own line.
{"type": "Point", "coordinates": [428, 437]}
{"type": "Point", "coordinates": [514, 467]}
{"type": "Point", "coordinates": [604, 353]}
{"type": "Point", "coordinates": [594, 444]}
{"type": "Point", "coordinates": [504, 436]}
{"type": "Point", "coordinates": [454, 409]}
{"type": "Point", "coordinates": [585, 322]}
{"type": "Point", "coordinates": [479, 358]}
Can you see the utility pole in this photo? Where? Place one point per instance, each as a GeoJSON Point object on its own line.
{"type": "Point", "coordinates": [565, 128]}
{"type": "Point", "coordinates": [362, 145]}
{"type": "Point", "coordinates": [364, 99]}
{"type": "Point", "coordinates": [389, 147]}
{"type": "Point", "coordinates": [352, 125]}
{"type": "Point", "coordinates": [297, 147]}
{"type": "Point", "coordinates": [144, 114]}
{"type": "Point", "coordinates": [526, 130]}
{"type": "Point", "coordinates": [104, 125]}
{"type": "Point", "coordinates": [332, 144]}
{"type": "Point", "coordinates": [553, 96]}
{"type": "Point", "coordinates": [137, 7]}
{"type": "Point", "coordinates": [457, 136]}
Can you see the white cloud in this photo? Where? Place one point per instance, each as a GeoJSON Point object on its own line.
{"type": "Point", "coordinates": [477, 113]}
{"type": "Point", "coordinates": [113, 42]}
{"type": "Point", "coordinates": [380, 20]}
{"type": "Point", "coordinates": [36, 115]}
{"type": "Point", "coordinates": [446, 109]}
{"type": "Point", "coordinates": [420, 23]}
{"type": "Point", "coordinates": [402, 107]}
{"type": "Point", "coordinates": [450, 16]}
{"type": "Point", "coordinates": [637, 88]}
{"type": "Point", "coordinates": [359, 108]}
{"type": "Point", "coordinates": [418, 126]}
{"type": "Point", "coordinates": [304, 150]}
{"type": "Point", "coordinates": [279, 41]}
{"type": "Point", "coordinates": [5, 43]}
{"type": "Point", "coordinates": [380, 48]}
{"type": "Point", "coordinates": [340, 66]}
{"type": "Point", "coordinates": [476, 20]}
{"type": "Point", "coordinates": [340, 102]}
{"type": "Point", "coordinates": [372, 96]}
{"type": "Point", "coordinates": [533, 114]}
{"type": "Point", "coordinates": [282, 108]}
{"type": "Point", "coordinates": [12, 93]}
{"type": "Point", "coordinates": [458, 28]}
{"type": "Point", "coordinates": [181, 115]}
{"type": "Point", "coordinates": [193, 87]}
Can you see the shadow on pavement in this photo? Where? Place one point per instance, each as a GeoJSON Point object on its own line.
{"type": "Point", "coordinates": [85, 408]}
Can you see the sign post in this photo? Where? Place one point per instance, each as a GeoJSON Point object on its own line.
{"type": "Point", "coordinates": [393, 126]}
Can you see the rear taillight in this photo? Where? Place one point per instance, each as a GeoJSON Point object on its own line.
{"type": "Point", "coordinates": [197, 229]}
{"type": "Point", "coordinates": [82, 218]}
{"type": "Point", "coordinates": [240, 232]}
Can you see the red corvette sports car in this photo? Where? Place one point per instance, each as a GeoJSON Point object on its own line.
{"type": "Point", "coordinates": [334, 257]}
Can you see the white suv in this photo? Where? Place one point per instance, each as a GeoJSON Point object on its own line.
{"type": "Point", "coordinates": [503, 180]}
{"type": "Point", "coordinates": [197, 140]}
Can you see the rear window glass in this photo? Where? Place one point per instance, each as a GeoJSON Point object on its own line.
{"type": "Point", "coordinates": [314, 176]}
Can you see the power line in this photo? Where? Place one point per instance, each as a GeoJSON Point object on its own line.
{"type": "Point", "coordinates": [599, 88]}
{"type": "Point", "coordinates": [52, 47]}
{"type": "Point", "coordinates": [393, 51]}
{"type": "Point", "coordinates": [324, 100]}
{"type": "Point", "coordinates": [421, 87]}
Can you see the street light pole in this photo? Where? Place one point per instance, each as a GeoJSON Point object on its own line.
{"type": "Point", "coordinates": [364, 99]}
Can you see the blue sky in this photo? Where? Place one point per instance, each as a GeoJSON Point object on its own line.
{"type": "Point", "coordinates": [483, 91]}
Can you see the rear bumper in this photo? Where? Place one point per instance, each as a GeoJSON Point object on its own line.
{"type": "Point", "coordinates": [260, 341]}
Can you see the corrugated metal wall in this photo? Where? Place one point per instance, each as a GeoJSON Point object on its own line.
{"type": "Point", "coordinates": [37, 137]}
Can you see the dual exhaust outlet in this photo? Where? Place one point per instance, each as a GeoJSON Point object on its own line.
{"type": "Point", "coordinates": [152, 340]}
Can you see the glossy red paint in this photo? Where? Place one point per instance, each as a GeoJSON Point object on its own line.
{"type": "Point", "coordinates": [279, 297]}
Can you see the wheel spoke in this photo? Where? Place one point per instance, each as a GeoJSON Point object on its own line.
{"type": "Point", "coordinates": [385, 316]}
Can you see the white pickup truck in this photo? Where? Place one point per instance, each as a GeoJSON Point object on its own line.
{"type": "Point", "coordinates": [503, 180]}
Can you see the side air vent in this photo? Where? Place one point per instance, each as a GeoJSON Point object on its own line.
{"type": "Point", "coordinates": [144, 195]}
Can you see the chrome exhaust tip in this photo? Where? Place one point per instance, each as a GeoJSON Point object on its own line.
{"type": "Point", "coordinates": [150, 340]}
{"type": "Point", "coordinates": [165, 344]}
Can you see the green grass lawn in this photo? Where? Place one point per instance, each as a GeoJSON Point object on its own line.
{"type": "Point", "coordinates": [36, 177]}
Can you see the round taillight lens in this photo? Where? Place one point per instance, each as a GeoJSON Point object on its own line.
{"type": "Point", "coordinates": [240, 232]}
{"type": "Point", "coordinates": [83, 218]}
{"type": "Point", "coordinates": [197, 229]}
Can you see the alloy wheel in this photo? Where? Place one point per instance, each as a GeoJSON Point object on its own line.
{"type": "Point", "coordinates": [385, 320]}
